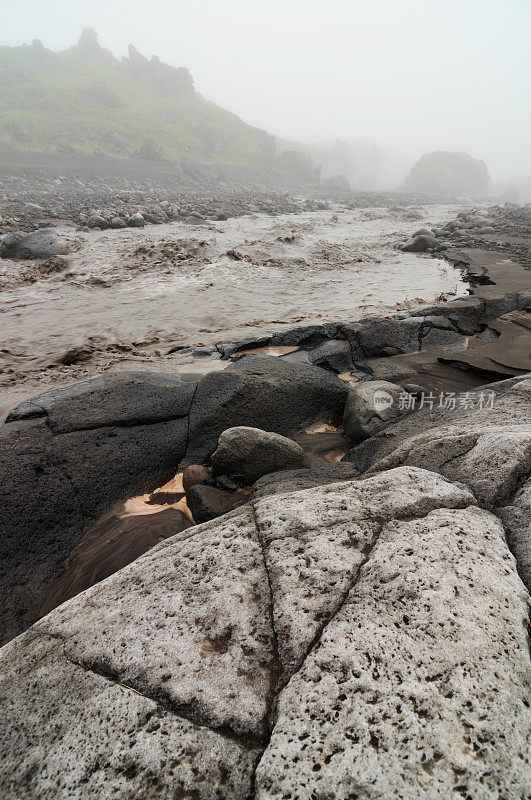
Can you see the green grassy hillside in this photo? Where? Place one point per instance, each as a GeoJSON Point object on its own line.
{"type": "Point", "coordinates": [84, 100]}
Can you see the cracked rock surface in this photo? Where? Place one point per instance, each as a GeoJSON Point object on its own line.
{"type": "Point", "coordinates": [361, 639]}
{"type": "Point", "coordinates": [418, 687]}
{"type": "Point", "coordinates": [315, 544]}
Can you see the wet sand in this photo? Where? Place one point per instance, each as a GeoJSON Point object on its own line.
{"type": "Point", "coordinates": [135, 298]}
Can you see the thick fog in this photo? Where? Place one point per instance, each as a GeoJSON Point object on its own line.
{"type": "Point", "coordinates": [409, 76]}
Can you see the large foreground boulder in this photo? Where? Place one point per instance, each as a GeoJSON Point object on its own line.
{"type": "Point", "coordinates": [363, 638]}
{"type": "Point", "coordinates": [246, 454]}
{"type": "Point", "coordinates": [68, 456]}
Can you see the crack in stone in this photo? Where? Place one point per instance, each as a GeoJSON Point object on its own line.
{"type": "Point", "coordinates": [134, 423]}
{"type": "Point", "coordinates": [276, 666]}
{"type": "Point", "coordinates": [244, 741]}
{"type": "Point", "coordinates": [282, 684]}
{"type": "Point", "coordinates": [188, 421]}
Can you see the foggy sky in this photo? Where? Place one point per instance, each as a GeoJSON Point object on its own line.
{"type": "Point", "coordinates": [408, 75]}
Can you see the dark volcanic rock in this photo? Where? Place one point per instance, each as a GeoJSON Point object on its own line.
{"type": "Point", "coordinates": [260, 392]}
{"type": "Point", "coordinates": [122, 398]}
{"type": "Point", "coordinates": [335, 355]}
{"type": "Point", "coordinates": [68, 457]}
{"type": "Point", "coordinates": [44, 243]}
{"type": "Point", "coordinates": [247, 454]}
{"type": "Point", "coordinates": [207, 502]}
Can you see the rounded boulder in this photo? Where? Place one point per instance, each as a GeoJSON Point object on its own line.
{"type": "Point", "coordinates": [246, 454]}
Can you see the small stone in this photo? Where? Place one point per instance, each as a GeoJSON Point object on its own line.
{"type": "Point", "coordinates": [117, 222]}
{"type": "Point", "coordinates": [208, 502]}
{"type": "Point", "coordinates": [136, 221]}
{"type": "Point", "coordinates": [194, 474]}
{"type": "Point", "coordinates": [418, 244]}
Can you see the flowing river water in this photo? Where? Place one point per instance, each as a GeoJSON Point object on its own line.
{"type": "Point", "coordinates": [133, 295]}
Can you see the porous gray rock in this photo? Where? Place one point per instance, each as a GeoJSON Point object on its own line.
{"type": "Point", "coordinates": [392, 605]}
{"type": "Point", "coordinates": [246, 454]}
{"type": "Point", "coordinates": [106, 740]}
{"type": "Point", "coordinates": [293, 480]}
{"type": "Point", "coordinates": [315, 541]}
{"type": "Point", "coordinates": [418, 687]}
{"type": "Point", "coordinates": [43, 243]}
{"type": "Point", "coordinates": [371, 406]}
{"type": "Point", "coordinates": [186, 624]}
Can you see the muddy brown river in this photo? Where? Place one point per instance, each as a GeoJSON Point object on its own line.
{"type": "Point", "coordinates": [134, 295]}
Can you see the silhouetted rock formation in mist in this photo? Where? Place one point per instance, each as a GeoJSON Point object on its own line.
{"type": "Point", "coordinates": [165, 79]}
{"type": "Point", "coordinates": [450, 174]}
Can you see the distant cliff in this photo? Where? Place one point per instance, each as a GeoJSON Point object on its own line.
{"type": "Point", "coordinates": [85, 100]}
{"type": "Point", "coordinates": [450, 174]}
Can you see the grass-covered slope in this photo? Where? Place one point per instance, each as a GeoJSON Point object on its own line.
{"type": "Point", "coordinates": [84, 100]}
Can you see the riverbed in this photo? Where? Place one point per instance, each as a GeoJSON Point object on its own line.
{"type": "Point", "coordinates": [133, 298]}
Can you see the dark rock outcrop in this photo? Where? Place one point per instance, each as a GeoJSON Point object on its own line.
{"type": "Point", "coordinates": [208, 502]}
{"type": "Point", "coordinates": [68, 457]}
{"type": "Point", "coordinates": [260, 392]}
{"type": "Point", "coordinates": [449, 174]}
